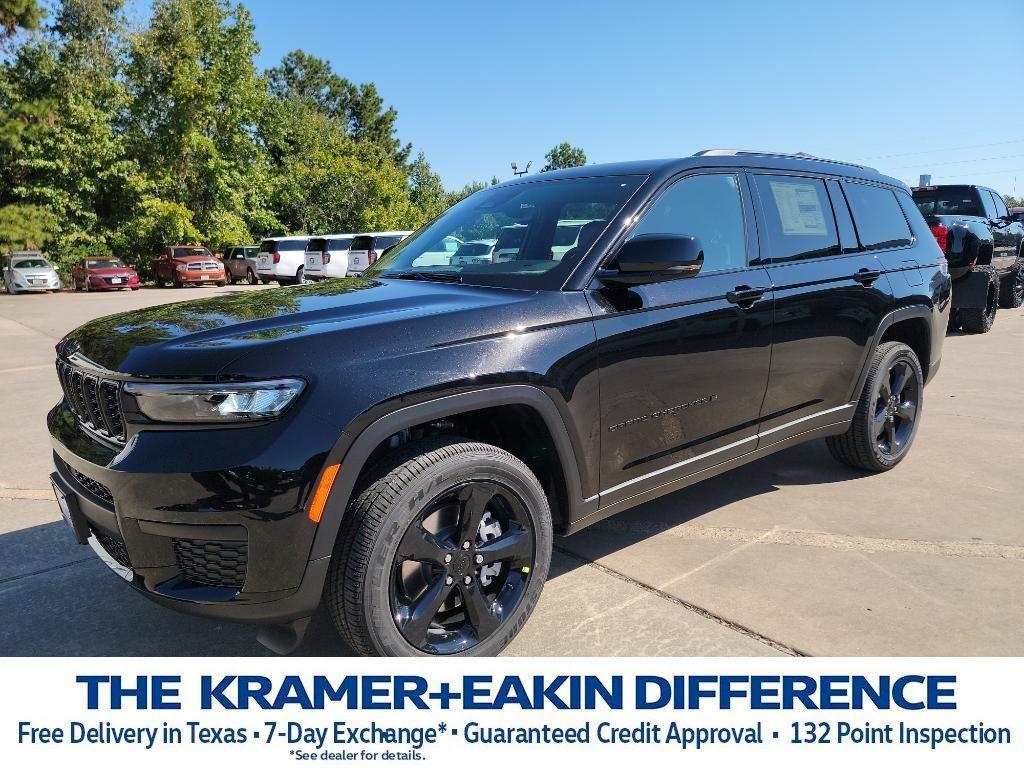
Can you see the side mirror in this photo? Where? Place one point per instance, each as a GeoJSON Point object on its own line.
{"type": "Point", "coordinates": [654, 258]}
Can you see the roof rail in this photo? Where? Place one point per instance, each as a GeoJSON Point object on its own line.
{"type": "Point", "coordinates": [758, 153]}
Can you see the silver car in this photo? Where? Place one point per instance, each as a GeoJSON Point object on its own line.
{"type": "Point", "coordinates": [240, 263]}
{"type": "Point", "coordinates": [28, 271]}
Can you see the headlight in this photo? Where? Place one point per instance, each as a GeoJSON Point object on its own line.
{"type": "Point", "coordinates": [245, 401]}
{"type": "Point", "coordinates": [182, 267]}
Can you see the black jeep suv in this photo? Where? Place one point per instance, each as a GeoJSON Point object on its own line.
{"type": "Point", "coordinates": [404, 445]}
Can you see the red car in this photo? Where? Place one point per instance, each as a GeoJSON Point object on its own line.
{"type": "Point", "coordinates": [181, 265]}
{"type": "Point", "coordinates": [104, 273]}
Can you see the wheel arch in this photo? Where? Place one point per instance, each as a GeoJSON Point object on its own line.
{"type": "Point", "coordinates": [912, 322]}
{"type": "Point", "coordinates": [357, 452]}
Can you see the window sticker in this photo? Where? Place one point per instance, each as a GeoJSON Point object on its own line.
{"type": "Point", "coordinates": [799, 208]}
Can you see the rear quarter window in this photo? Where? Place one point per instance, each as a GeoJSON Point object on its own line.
{"type": "Point", "coordinates": [291, 245]}
{"type": "Point", "coordinates": [362, 243]}
{"type": "Point", "coordinates": [316, 244]}
{"type": "Point", "coordinates": [878, 217]}
{"type": "Point", "coordinates": [341, 244]}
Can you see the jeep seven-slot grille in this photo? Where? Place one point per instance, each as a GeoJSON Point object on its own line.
{"type": "Point", "coordinates": [216, 563]}
{"type": "Point", "coordinates": [95, 402]}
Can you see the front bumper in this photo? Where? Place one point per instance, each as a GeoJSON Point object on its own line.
{"type": "Point", "coordinates": [103, 284]}
{"type": "Point", "coordinates": [225, 543]}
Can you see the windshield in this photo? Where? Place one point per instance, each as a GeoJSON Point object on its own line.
{"type": "Point", "coordinates": [30, 264]}
{"type": "Point", "coordinates": [526, 223]}
{"type": "Point", "coordinates": [103, 264]}
{"type": "Point", "coordinates": [181, 253]}
{"type": "Point", "coordinates": [947, 201]}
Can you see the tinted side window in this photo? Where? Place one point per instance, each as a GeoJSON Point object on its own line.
{"type": "Point", "coordinates": [362, 243]}
{"type": "Point", "coordinates": [316, 244]}
{"type": "Point", "coordinates": [987, 203]}
{"type": "Point", "coordinates": [1001, 209]}
{"type": "Point", "coordinates": [267, 246]}
{"type": "Point", "coordinates": [799, 217]}
{"type": "Point", "coordinates": [878, 216]}
{"type": "Point", "coordinates": [291, 245]}
{"type": "Point", "coordinates": [707, 207]}
{"type": "Point", "coordinates": [341, 244]}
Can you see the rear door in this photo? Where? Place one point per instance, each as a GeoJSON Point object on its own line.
{"type": "Point", "coordinates": [358, 254]}
{"type": "Point", "coordinates": [265, 258]}
{"type": "Point", "coordinates": [830, 296]}
{"type": "Point", "coordinates": [684, 363]}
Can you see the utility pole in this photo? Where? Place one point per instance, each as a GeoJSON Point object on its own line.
{"type": "Point", "coordinates": [516, 172]}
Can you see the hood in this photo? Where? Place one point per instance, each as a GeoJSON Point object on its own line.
{"type": "Point", "coordinates": [200, 338]}
{"type": "Point", "coordinates": [34, 271]}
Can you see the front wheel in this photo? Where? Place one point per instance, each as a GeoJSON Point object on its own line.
{"type": "Point", "coordinates": [444, 552]}
{"type": "Point", "coordinates": [1011, 292]}
{"type": "Point", "coordinates": [888, 412]}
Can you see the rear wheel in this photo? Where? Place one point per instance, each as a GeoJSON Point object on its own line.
{"type": "Point", "coordinates": [888, 412]}
{"type": "Point", "coordinates": [300, 276]}
{"type": "Point", "coordinates": [445, 551]}
{"type": "Point", "coordinates": [252, 277]}
{"type": "Point", "coordinates": [981, 320]}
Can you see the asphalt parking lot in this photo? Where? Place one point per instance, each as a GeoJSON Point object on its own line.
{"type": "Point", "coordinates": [792, 555]}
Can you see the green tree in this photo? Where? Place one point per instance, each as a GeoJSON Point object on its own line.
{"type": "Point", "coordinates": [70, 168]}
{"type": "Point", "coordinates": [564, 155]}
{"type": "Point", "coordinates": [1014, 202]}
{"type": "Point", "coordinates": [16, 15]}
{"type": "Point", "coordinates": [427, 194]}
{"type": "Point", "coordinates": [195, 98]}
{"type": "Point", "coordinates": [358, 109]}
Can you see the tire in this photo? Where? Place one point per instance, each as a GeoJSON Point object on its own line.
{"type": "Point", "coordinates": [222, 283]}
{"type": "Point", "coordinates": [231, 278]}
{"type": "Point", "coordinates": [1011, 290]}
{"type": "Point", "coordinates": [159, 282]}
{"type": "Point", "coordinates": [176, 282]}
{"type": "Point", "coordinates": [368, 593]}
{"type": "Point", "coordinates": [300, 276]}
{"type": "Point", "coordinates": [981, 320]}
{"type": "Point", "coordinates": [252, 277]}
{"type": "Point", "coordinates": [265, 280]}
{"type": "Point", "coordinates": [883, 429]}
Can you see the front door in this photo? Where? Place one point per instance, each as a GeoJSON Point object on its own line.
{"type": "Point", "coordinates": [684, 363]}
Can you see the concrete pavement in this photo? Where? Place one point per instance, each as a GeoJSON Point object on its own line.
{"type": "Point", "coordinates": [795, 554]}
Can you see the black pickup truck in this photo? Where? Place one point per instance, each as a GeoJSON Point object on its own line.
{"type": "Point", "coordinates": [982, 243]}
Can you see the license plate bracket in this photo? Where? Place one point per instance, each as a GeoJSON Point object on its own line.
{"type": "Point", "coordinates": [67, 501]}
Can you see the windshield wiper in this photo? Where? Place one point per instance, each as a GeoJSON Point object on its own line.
{"type": "Point", "coordinates": [440, 277]}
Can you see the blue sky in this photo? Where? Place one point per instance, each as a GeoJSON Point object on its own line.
{"type": "Point", "coordinates": [906, 86]}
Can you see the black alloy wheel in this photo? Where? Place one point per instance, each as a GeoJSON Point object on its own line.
{"type": "Point", "coordinates": [1012, 292]}
{"type": "Point", "coordinates": [443, 550]}
{"type": "Point", "coordinates": [462, 567]}
{"type": "Point", "coordinates": [887, 414]}
{"type": "Point", "coordinates": [896, 407]}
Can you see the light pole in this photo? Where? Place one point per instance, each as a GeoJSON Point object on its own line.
{"type": "Point", "coordinates": [517, 172]}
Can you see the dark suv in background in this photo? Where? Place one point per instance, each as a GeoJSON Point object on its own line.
{"type": "Point", "coordinates": [404, 445]}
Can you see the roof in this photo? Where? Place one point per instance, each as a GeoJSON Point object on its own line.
{"type": "Point", "coordinates": [719, 159]}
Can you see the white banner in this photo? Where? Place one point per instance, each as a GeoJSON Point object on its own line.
{"type": "Point", "coordinates": [282, 711]}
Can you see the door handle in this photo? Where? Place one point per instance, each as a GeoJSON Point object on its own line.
{"type": "Point", "coordinates": [744, 296]}
{"type": "Point", "coordinates": [867, 276]}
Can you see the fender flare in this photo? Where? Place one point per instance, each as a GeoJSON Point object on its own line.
{"type": "Point", "coordinates": [896, 316]}
{"type": "Point", "coordinates": [353, 451]}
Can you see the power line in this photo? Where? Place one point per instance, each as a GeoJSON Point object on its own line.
{"type": "Point", "coordinates": [955, 162]}
{"type": "Point", "coordinates": [946, 149]}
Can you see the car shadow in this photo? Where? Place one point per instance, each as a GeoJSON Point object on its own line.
{"type": "Point", "coordinates": [58, 599]}
{"type": "Point", "coordinates": [805, 464]}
